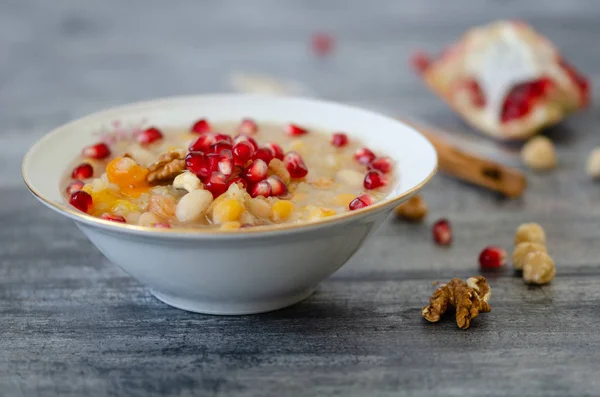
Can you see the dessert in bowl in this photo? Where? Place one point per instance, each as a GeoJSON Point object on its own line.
{"type": "Point", "coordinates": [229, 204]}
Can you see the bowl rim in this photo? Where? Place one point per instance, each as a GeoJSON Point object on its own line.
{"type": "Point", "coordinates": [76, 215]}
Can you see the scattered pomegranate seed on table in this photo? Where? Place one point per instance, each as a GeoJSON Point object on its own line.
{"type": "Point", "coordinates": [248, 127]}
{"type": "Point", "coordinates": [492, 257]}
{"type": "Point", "coordinates": [420, 61]}
{"type": "Point", "coordinates": [74, 187]}
{"type": "Point", "coordinates": [374, 179]}
{"type": "Point", "coordinates": [442, 232]}
{"type": "Point", "coordinates": [201, 126]}
{"type": "Point", "coordinates": [295, 165]}
{"type": "Point", "coordinates": [295, 130]}
{"type": "Point", "coordinates": [83, 171]}
{"type": "Point", "coordinates": [322, 43]}
{"type": "Point", "coordinates": [339, 139]}
{"type": "Point", "coordinates": [113, 218]}
{"type": "Point", "coordinates": [149, 135]}
{"type": "Point", "coordinates": [383, 164]}
{"type": "Point", "coordinates": [82, 201]}
{"type": "Point", "coordinates": [98, 151]}
{"type": "Point", "coordinates": [364, 156]}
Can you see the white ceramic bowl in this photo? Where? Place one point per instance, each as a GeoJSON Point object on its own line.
{"type": "Point", "coordinates": [239, 272]}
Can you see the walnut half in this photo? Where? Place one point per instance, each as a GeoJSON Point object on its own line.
{"type": "Point", "coordinates": [167, 167]}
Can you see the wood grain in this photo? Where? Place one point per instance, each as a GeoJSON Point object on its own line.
{"type": "Point", "coordinates": [72, 324]}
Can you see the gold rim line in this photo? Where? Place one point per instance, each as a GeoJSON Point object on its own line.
{"type": "Point", "coordinates": [89, 219]}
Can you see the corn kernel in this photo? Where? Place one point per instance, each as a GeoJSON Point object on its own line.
{"type": "Point", "coordinates": [234, 225]}
{"type": "Point", "coordinates": [319, 213]}
{"type": "Point", "coordinates": [227, 210]}
{"type": "Point", "coordinates": [344, 199]}
{"type": "Point", "coordinates": [281, 210]}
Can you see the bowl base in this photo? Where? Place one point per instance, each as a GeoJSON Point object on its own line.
{"type": "Point", "coordinates": [232, 308]}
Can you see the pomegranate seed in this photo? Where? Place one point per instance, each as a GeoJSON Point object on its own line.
{"type": "Point", "coordinates": [362, 201]}
{"type": "Point", "coordinates": [219, 146]}
{"type": "Point", "coordinates": [197, 163]}
{"type": "Point", "coordinates": [242, 152]}
{"type": "Point", "coordinates": [295, 165]}
{"type": "Point", "coordinates": [374, 179]}
{"type": "Point", "coordinates": [322, 43]}
{"type": "Point", "coordinates": [224, 138]}
{"type": "Point", "coordinates": [295, 130]}
{"type": "Point", "coordinates": [442, 232]}
{"type": "Point", "coordinates": [202, 143]}
{"type": "Point", "coordinates": [97, 151]}
{"type": "Point", "coordinates": [364, 156]}
{"type": "Point", "coordinates": [113, 218]}
{"type": "Point", "coordinates": [148, 136]}
{"type": "Point", "coordinates": [160, 225]}
{"type": "Point", "coordinates": [83, 171]}
{"type": "Point", "coordinates": [225, 164]}
{"type": "Point", "coordinates": [248, 127]}
{"type": "Point", "coordinates": [277, 150]}
{"type": "Point", "coordinates": [339, 139]}
{"type": "Point", "coordinates": [74, 187]}
{"type": "Point", "coordinates": [492, 257]}
{"type": "Point", "coordinates": [278, 187]}
{"type": "Point", "coordinates": [522, 98]}
{"type": "Point", "coordinates": [216, 184]}
{"type": "Point", "coordinates": [265, 154]}
{"type": "Point", "coordinates": [256, 171]}
{"type": "Point", "coordinates": [477, 97]}
{"type": "Point", "coordinates": [212, 162]}
{"type": "Point", "coordinates": [420, 61]}
{"type": "Point", "coordinates": [241, 138]}
{"type": "Point", "coordinates": [201, 126]}
{"type": "Point", "coordinates": [383, 164]}
{"type": "Point", "coordinates": [262, 188]}
{"type": "Point", "coordinates": [82, 201]}
{"type": "Point", "coordinates": [239, 180]}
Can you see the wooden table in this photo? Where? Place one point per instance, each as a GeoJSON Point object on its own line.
{"type": "Point", "coordinates": [72, 324]}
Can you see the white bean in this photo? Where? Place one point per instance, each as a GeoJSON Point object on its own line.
{"type": "Point", "coordinates": [187, 181]}
{"type": "Point", "coordinates": [193, 205]}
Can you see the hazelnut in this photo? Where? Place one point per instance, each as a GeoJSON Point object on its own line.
{"type": "Point", "coordinates": [530, 232]}
{"type": "Point", "coordinates": [539, 154]}
{"type": "Point", "coordinates": [413, 210]}
{"type": "Point", "coordinates": [593, 164]}
{"type": "Point", "coordinates": [522, 250]}
{"type": "Point", "coordinates": [538, 268]}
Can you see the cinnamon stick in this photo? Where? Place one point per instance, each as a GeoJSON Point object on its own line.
{"type": "Point", "coordinates": [489, 174]}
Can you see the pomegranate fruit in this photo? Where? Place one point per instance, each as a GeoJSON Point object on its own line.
{"type": "Point", "coordinates": [202, 143]}
{"type": "Point", "coordinates": [277, 150]}
{"type": "Point", "coordinates": [278, 187]}
{"type": "Point", "coordinates": [241, 138]}
{"type": "Point", "coordinates": [522, 98]}
{"type": "Point", "coordinates": [98, 151]}
{"type": "Point", "coordinates": [383, 164]}
{"type": "Point", "coordinates": [197, 163]}
{"type": "Point", "coordinates": [216, 184]}
{"type": "Point", "coordinates": [242, 152]}
{"type": "Point", "coordinates": [74, 187]}
{"type": "Point", "coordinates": [224, 138]}
{"type": "Point", "coordinates": [82, 201]}
{"type": "Point", "coordinates": [265, 154]}
{"type": "Point", "coordinates": [225, 163]}
{"type": "Point", "coordinates": [219, 146]}
{"type": "Point", "coordinates": [239, 180]}
{"type": "Point", "coordinates": [362, 201]}
{"type": "Point", "coordinates": [262, 188]}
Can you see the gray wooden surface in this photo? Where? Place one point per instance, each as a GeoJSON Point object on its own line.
{"type": "Point", "coordinates": [72, 324]}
